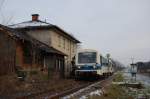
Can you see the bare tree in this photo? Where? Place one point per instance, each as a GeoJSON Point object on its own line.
{"type": "Point", "coordinates": [117, 65]}
{"type": "Point", "coordinates": [4, 20]}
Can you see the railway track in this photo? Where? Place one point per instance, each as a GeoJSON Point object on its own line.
{"type": "Point", "coordinates": [95, 87]}
{"type": "Point", "coordinates": [48, 94]}
{"type": "Point", "coordinates": [82, 90]}
{"type": "Point", "coordinates": [75, 92]}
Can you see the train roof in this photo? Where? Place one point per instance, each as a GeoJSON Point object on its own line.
{"type": "Point", "coordinates": [87, 50]}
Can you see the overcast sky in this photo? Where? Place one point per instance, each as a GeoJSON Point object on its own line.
{"type": "Point", "coordinates": [118, 27]}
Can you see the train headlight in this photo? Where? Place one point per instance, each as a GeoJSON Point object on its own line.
{"type": "Point", "coordinates": [94, 66]}
{"type": "Point", "coordinates": [79, 67]}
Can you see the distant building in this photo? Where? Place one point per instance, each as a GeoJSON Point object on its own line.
{"type": "Point", "coordinates": [143, 67]}
{"type": "Point", "coordinates": [19, 50]}
{"type": "Point", "coordinates": [53, 36]}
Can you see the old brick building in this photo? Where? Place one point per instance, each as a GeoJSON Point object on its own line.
{"type": "Point", "coordinates": [53, 36]}
{"type": "Point", "coordinates": [18, 49]}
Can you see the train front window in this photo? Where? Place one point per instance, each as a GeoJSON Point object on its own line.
{"type": "Point", "coordinates": [87, 57]}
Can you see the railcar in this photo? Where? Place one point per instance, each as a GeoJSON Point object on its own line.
{"type": "Point", "coordinates": [107, 66]}
{"type": "Point", "coordinates": [90, 63]}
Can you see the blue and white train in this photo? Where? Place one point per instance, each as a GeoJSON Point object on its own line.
{"type": "Point", "coordinates": [90, 62]}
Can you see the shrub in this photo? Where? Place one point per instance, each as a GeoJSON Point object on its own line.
{"type": "Point", "coordinates": [119, 77]}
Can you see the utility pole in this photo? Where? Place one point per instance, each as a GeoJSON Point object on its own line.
{"type": "Point", "coordinates": [133, 69]}
{"type": "Point", "coordinates": [132, 59]}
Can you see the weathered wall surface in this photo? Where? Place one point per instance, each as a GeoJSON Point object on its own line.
{"type": "Point", "coordinates": [7, 54]}
{"type": "Point", "coordinates": [28, 56]}
{"type": "Point", "coordinates": [41, 35]}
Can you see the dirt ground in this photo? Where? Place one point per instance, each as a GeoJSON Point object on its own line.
{"type": "Point", "coordinates": [10, 86]}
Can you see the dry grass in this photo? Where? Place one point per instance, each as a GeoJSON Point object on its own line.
{"type": "Point", "coordinates": [113, 92]}
{"type": "Point", "coordinates": [118, 77]}
{"type": "Point", "coordinates": [10, 85]}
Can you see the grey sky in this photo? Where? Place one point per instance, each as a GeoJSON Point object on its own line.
{"type": "Point", "coordinates": [119, 27]}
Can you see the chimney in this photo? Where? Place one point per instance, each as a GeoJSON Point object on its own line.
{"type": "Point", "coordinates": [35, 17]}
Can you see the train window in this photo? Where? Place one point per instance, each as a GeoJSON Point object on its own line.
{"type": "Point", "coordinates": [87, 57]}
{"type": "Point", "coordinates": [104, 61]}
